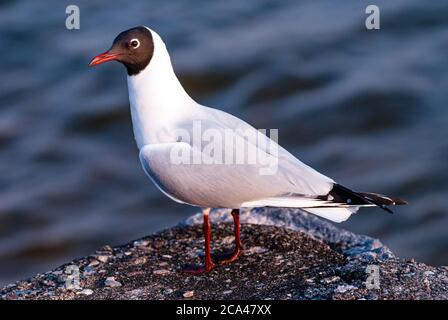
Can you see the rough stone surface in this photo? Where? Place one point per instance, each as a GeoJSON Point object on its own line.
{"type": "Point", "coordinates": [288, 255]}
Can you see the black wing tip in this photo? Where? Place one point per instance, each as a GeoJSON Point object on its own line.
{"type": "Point", "coordinates": [386, 209]}
{"type": "Point", "coordinates": [399, 202]}
{"type": "Point", "coordinates": [343, 194]}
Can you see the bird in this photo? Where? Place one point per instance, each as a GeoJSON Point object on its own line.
{"type": "Point", "coordinates": [165, 118]}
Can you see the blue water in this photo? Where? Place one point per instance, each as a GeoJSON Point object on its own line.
{"type": "Point", "coordinates": [367, 108]}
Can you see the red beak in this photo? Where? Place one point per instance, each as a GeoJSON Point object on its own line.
{"type": "Point", "coordinates": [103, 57]}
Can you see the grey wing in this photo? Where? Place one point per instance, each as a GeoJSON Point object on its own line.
{"type": "Point", "coordinates": [171, 168]}
{"type": "Point", "coordinates": [303, 179]}
{"type": "Point", "coordinates": [216, 183]}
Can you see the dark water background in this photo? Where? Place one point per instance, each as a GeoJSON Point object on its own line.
{"type": "Point", "coordinates": [368, 108]}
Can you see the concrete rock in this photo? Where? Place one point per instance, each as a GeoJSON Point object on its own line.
{"type": "Point", "coordinates": [288, 255]}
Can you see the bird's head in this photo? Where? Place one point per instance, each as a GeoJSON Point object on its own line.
{"type": "Point", "coordinates": [134, 48]}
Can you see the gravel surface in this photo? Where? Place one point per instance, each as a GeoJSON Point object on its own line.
{"type": "Point", "coordinates": [288, 255]}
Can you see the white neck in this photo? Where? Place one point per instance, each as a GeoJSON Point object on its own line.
{"type": "Point", "coordinates": [156, 96]}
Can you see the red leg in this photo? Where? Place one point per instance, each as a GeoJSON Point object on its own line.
{"type": "Point", "coordinates": [194, 269]}
{"type": "Point", "coordinates": [227, 258]}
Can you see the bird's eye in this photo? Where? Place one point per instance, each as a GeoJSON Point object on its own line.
{"type": "Point", "coordinates": [134, 43]}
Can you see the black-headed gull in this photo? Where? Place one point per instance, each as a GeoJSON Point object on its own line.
{"type": "Point", "coordinates": [165, 120]}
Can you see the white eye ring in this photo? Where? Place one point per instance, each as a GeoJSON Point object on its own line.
{"type": "Point", "coordinates": [138, 43]}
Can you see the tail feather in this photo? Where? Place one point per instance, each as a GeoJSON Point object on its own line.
{"type": "Point", "coordinates": [334, 214]}
{"type": "Point", "coordinates": [338, 205]}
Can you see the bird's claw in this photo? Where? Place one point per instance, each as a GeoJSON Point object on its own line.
{"type": "Point", "coordinates": [230, 257]}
